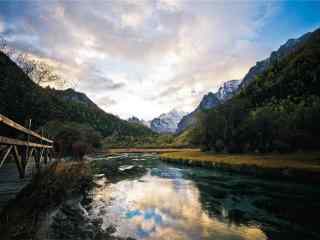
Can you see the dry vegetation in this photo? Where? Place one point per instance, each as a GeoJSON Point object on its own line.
{"type": "Point", "coordinates": [301, 160]}
{"type": "Point", "coordinates": [62, 180]}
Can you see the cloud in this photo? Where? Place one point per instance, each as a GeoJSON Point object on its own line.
{"type": "Point", "coordinates": [147, 55]}
{"type": "Point", "coordinates": [106, 102]}
{"type": "Point", "coordinates": [2, 26]}
{"type": "Point", "coordinates": [95, 83]}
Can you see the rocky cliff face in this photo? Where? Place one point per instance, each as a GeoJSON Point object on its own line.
{"type": "Point", "coordinates": [289, 47]}
{"type": "Point", "coordinates": [167, 122]}
{"type": "Point", "coordinates": [225, 92]}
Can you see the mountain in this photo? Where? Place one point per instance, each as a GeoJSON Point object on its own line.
{"type": "Point", "coordinates": [22, 99]}
{"type": "Point", "coordinates": [277, 110]}
{"type": "Point", "coordinates": [208, 101]}
{"type": "Point", "coordinates": [230, 88]}
{"type": "Point", "coordinates": [289, 47]}
{"type": "Point", "coordinates": [136, 120]}
{"type": "Point", "coordinates": [211, 100]}
{"type": "Point", "coordinates": [167, 122]}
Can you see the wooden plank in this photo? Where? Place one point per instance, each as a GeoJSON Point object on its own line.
{"type": "Point", "coordinates": [16, 142]}
{"type": "Point", "coordinates": [20, 128]}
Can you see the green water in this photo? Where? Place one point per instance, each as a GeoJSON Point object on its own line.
{"type": "Point", "coordinates": [149, 199]}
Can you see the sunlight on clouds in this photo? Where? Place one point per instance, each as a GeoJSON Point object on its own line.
{"type": "Point", "coordinates": [131, 20]}
{"type": "Point", "coordinates": [171, 5]}
{"type": "Point", "coordinates": [159, 52]}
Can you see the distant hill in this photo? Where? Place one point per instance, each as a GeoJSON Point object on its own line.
{"type": "Point", "coordinates": [278, 107]}
{"type": "Point", "coordinates": [22, 99]}
{"type": "Point", "coordinates": [211, 100]}
{"type": "Point", "coordinates": [136, 120]}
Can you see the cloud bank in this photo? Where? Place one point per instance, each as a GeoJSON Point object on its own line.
{"type": "Point", "coordinates": [141, 57]}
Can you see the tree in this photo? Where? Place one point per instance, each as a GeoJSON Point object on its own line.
{"type": "Point", "coordinates": [37, 70]}
{"type": "Point", "coordinates": [43, 74]}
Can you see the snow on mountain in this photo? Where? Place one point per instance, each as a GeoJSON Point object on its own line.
{"type": "Point", "coordinates": [167, 122]}
{"type": "Point", "coordinates": [211, 100]}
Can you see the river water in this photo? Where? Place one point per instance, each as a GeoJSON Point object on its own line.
{"type": "Point", "coordinates": [149, 199]}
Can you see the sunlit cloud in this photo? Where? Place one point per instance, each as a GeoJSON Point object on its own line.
{"type": "Point", "coordinates": [148, 56]}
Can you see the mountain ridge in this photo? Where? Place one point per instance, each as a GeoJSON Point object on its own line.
{"type": "Point", "coordinates": [22, 99]}
{"type": "Point", "coordinates": [210, 100]}
{"type": "Point", "coordinates": [277, 111]}
{"type": "Point", "coordinates": [284, 50]}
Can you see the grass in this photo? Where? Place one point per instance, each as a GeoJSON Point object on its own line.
{"type": "Point", "coordinates": [309, 161]}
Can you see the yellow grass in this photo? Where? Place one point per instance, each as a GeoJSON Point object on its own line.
{"type": "Point", "coordinates": [303, 161]}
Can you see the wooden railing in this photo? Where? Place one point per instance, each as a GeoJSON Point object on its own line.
{"type": "Point", "coordinates": [40, 149]}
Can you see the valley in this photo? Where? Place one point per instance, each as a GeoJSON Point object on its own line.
{"type": "Point", "coordinates": [159, 120]}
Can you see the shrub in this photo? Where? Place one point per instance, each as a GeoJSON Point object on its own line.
{"type": "Point", "coordinates": [73, 139]}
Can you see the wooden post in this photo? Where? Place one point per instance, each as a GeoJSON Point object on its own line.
{"type": "Point", "coordinates": [45, 156]}
{"type": "Point", "coordinates": [37, 159]}
{"type": "Point", "coordinates": [24, 157]}
{"type": "Point", "coordinates": [17, 159]}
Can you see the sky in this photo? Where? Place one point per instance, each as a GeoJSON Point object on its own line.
{"type": "Point", "coordinates": [145, 57]}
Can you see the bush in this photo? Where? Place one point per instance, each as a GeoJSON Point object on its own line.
{"type": "Point", "coordinates": [73, 139]}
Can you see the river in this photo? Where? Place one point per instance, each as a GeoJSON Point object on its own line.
{"type": "Point", "coordinates": [150, 199]}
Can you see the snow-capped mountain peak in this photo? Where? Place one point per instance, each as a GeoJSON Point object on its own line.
{"type": "Point", "coordinates": [167, 122]}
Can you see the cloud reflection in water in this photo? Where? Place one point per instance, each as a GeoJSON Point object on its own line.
{"type": "Point", "coordinates": [163, 208]}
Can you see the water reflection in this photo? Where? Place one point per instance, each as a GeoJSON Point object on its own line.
{"type": "Point", "coordinates": [163, 206]}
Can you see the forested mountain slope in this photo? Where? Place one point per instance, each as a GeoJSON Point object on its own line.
{"type": "Point", "coordinates": [21, 99]}
{"type": "Point", "coordinates": [278, 110]}
{"type": "Point", "coordinates": [210, 100]}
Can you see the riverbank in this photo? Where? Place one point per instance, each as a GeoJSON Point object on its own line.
{"type": "Point", "coordinates": [56, 204]}
{"type": "Point", "coordinates": [28, 216]}
{"type": "Point", "coordinates": [296, 166]}
{"type": "Point", "coordinates": [22, 217]}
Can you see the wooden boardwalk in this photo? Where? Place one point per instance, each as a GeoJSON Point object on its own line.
{"type": "Point", "coordinates": [11, 183]}
{"type": "Point", "coordinates": [20, 158]}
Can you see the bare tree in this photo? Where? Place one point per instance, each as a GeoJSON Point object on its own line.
{"type": "Point", "coordinates": [39, 71]}
{"type": "Point", "coordinates": [27, 65]}
{"type": "Point", "coordinates": [5, 48]}
{"type": "Point", "coordinates": [3, 44]}
{"type": "Point", "coordinates": [44, 74]}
